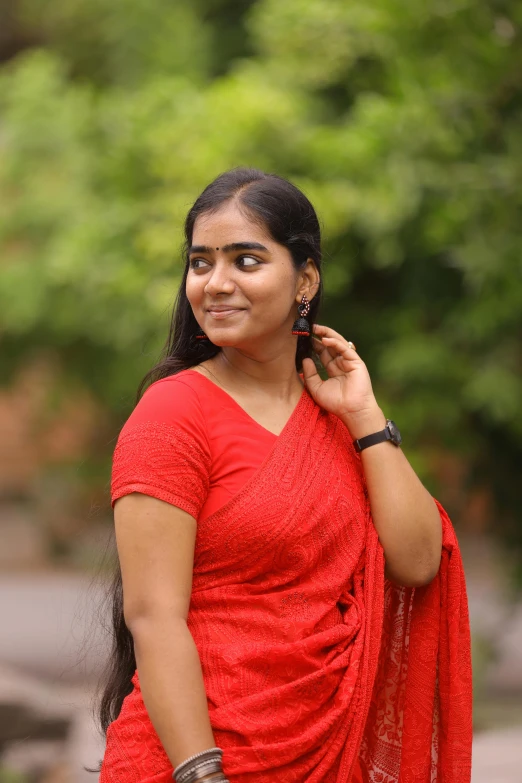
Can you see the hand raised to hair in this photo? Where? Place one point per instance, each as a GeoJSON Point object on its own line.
{"type": "Point", "coordinates": [348, 391]}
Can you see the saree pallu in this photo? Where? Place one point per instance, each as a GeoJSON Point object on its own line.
{"type": "Point", "coordinates": [317, 669]}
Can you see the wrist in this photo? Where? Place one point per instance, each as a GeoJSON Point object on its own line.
{"type": "Point", "coordinates": [365, 422]}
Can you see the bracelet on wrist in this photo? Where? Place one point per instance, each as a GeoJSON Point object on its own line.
{"type": "Point", "coordinates": [205, 765]}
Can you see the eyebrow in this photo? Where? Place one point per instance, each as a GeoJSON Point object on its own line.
{"type": "Point", "coordinates": [234, 246]}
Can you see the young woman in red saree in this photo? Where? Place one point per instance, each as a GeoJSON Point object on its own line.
{"type": "Point", "coordinates": [287, 602]}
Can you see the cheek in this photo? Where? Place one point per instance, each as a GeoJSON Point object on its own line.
{"type": "Point", "coordinates": [275, 298]}
{"type": "Point", "coordinates": [274, 288]}
{"type": "Point", "coordinates": [193, 290]}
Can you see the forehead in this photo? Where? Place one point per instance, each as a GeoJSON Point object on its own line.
{"type": "Point", "coordinates": [229, 224]}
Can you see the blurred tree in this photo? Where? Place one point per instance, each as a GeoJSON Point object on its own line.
{"type": "Point", "coordinates": [401, 121]}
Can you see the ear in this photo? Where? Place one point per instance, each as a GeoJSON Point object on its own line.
{"type": "Point", "coordinates": [309, 280]}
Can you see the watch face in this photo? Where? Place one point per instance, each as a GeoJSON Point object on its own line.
{"type": "Point", "coordinates": [394, 432]}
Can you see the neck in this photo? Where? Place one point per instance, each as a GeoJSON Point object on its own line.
{"type": "Point", "coordinates": [277, 377]}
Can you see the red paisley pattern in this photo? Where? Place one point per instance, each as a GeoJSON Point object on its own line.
{"type": "Point", "coordinates": [317, 669]}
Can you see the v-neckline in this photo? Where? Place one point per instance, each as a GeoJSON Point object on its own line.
{"type": "Point", "coordinates": [237, 405]}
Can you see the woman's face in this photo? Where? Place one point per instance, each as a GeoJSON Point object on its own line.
{"type": "Point", "coordinates": [234, 263]}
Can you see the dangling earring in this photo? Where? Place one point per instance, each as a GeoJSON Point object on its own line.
{"type": "Point", "coordinates": [200, 335]}
{"type": "Point", "coordinates": [301, 326]}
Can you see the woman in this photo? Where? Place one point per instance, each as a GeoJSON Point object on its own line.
{"type": "Point", "coordinates": [292, 603]}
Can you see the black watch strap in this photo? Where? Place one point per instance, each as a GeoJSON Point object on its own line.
{"type": "Point", "coordinates": [372, 440]}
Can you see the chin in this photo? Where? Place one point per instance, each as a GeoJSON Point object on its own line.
{"type": "Point", "coordinates": [222, 341]}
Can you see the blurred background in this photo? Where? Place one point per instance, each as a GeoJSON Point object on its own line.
{"type": "Point", "coordinates": [402, 122]}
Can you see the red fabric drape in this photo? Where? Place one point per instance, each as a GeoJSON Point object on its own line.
{"type": "Point", "coordinates": [316, 667]}
{"type": "Point", "coordinates": [419, 724]}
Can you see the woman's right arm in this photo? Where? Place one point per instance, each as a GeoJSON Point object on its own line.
{"type": "Point", "coordinates": [155, 542]}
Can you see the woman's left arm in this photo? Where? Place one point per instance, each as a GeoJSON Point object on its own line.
{"type": "Point", "coordinates": [404, 513]}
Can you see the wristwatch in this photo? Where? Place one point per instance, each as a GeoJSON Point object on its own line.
{"type": "Point", "coordinates": [390, 432]}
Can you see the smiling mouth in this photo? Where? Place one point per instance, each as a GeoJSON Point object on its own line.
{"type": "Point", "coordinates": [224, 313]}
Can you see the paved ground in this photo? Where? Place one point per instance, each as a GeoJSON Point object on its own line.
{"type": "Point", "coordinates": [55, 625]}
{"type": "Point", "coordinates": [497, 756]}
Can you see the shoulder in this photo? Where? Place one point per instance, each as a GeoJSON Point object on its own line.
{"type": "Point", "coordinates": [173, 401]}
{"type": "Point", "coordinates": [162, 449]}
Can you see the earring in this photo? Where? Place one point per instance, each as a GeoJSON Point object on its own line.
{"type": "Point", "coordinates": [301, 326]}
{"type": "Point", "coordinates": [200, 335]}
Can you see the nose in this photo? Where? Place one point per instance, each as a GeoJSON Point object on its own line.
{"type": "Point", "coordinates": [220, 280]}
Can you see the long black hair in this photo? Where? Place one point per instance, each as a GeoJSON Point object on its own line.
{"type": "Point", "coordinates": [282, 209]}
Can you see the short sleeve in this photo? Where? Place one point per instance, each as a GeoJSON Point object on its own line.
{"type": "Point", "coordinates": [162, 449]}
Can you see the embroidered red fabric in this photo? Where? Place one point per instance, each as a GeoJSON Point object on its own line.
{"type": "Point", "coordinates": [316, 667]}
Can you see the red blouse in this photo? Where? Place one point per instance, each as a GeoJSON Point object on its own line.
{"type": "Point", "coordinates": [221, 435]}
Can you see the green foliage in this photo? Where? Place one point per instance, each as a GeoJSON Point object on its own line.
{"type": "Point", "coordinates": [9, 776]}
{"type": "Point", "coordinates": [401, 121]}
{"type": "Point", "coordinates": [123, 42]}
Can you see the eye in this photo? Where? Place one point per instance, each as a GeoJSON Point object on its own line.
{"type": "Point", "coordinates": [193, 263]}
{"type": "Point", "coordinates": [250, 258]}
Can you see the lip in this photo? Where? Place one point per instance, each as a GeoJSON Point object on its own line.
{"type": "Point", "coordinates": [224, 313]}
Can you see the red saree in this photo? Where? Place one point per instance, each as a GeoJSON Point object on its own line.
{"type": "Point", "coordinates": [317, 669]}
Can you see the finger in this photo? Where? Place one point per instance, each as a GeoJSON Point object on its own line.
{"type": "Point", "coordinates": [333, 363]}
{"type": "Point", "coordinates": [343, 346]}
{"type": "Point", "coordinates": [326, 331]}
{"type": "Point", "coordinates": [322, 350]}
{"type": "Point", "coordinates": [344, 363]}
{"type": "Point", "coordinates": [327, 334]}
{"type": "Point", "coordinates": [328, 358]}
{"type": "Point", "coordinates": [312, 378]}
